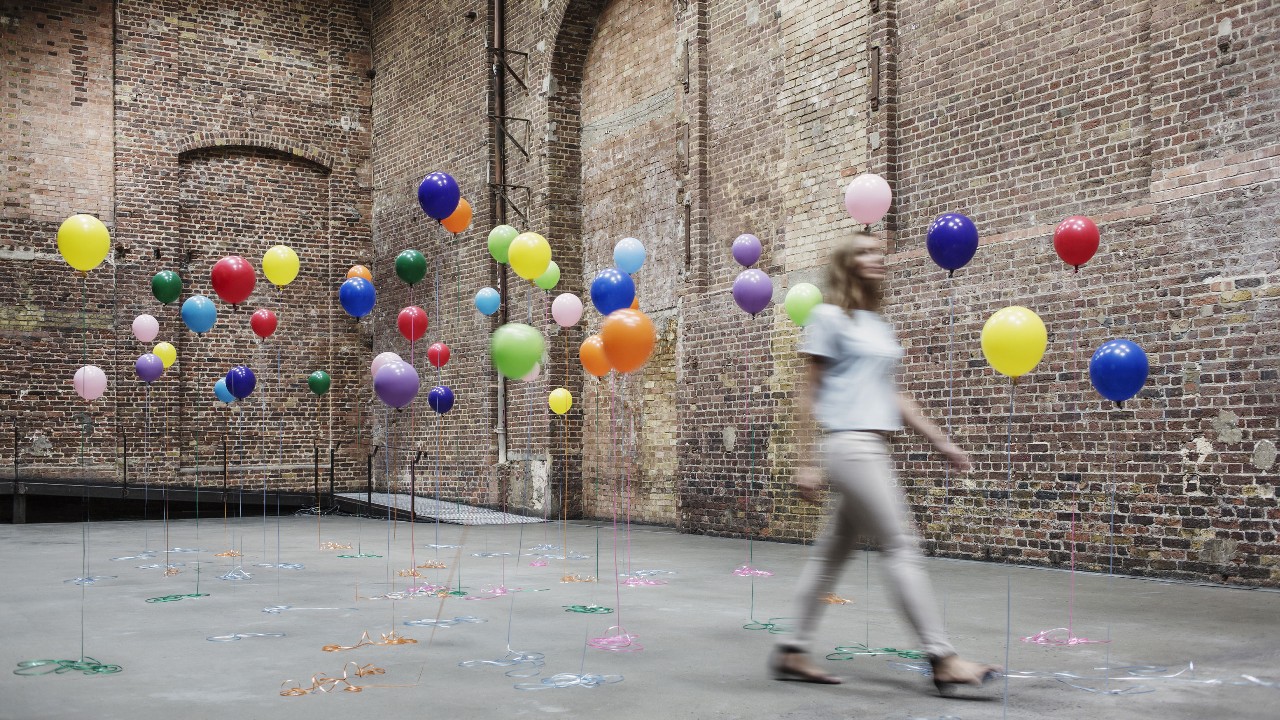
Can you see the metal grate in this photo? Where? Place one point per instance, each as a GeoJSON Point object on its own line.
{"type": "Point", "coordinates": [446, 512]}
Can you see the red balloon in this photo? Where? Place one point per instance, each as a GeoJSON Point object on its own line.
{"type": "Point", "coordinates": [1076, 240]}
{"type": "Point", "coordinates": [412, 322]}
{"type": "Point", "coordinates": [263, 322]}
{"type": "Point", "coordinates": [233, 279]}
{"type": "Point", "coordinates": [438, 354]}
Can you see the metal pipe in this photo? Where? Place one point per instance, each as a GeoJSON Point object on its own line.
{"type": "Point", "coordinates": [124, 450]}
{"type": "Point", "coordinates": [500, 207]}
{"type": "Point", "coordinates": [333, 449]}
{"type": "Point", "coordinates": [368, 469]}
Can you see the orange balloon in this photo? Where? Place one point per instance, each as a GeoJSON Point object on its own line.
{"type": "Point", "coordinates": [635, 303]}
{"type": "Point", "coordinates": [360, 271]}
{"type": "Point", "coordinates": [460, 219]}
{"type": "Point", "coordinates": [593, 358]}
{"type": "Point", "coordinates": [628, 337]}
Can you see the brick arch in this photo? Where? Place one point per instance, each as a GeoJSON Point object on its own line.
{"type": "Point", "coordinates": [205, 140]}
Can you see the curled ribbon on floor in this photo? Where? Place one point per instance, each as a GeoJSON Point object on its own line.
{"type": "Point", "coordinates": [1122, 674]}
{"type": "Point", "coordinates": [89, 580]}
{"type": "Point", "coordinates": [773, 625]}
{"type": "Point", "coordinates": [176, 598]}
{"type": "Point", "coordinates": [642, 582]}
{"type": "Point", "coordinates": [282, 566]}
{"type": "Point", "coordinates": [491, 554]}
{"type": "Point", "coordinates": [849, 652]}
{"type": "Point", "coordinates": [433, 623]}
{"type": "Point", "coordinates": [433, 565]}
{"type": "Point", "coordinates": [620, 641]}
{"type": "Point", "coordinates": [144, 555]}
{"type": "Point", "coordinates": [564, 680]}
{"type": "Point", "coordinates": [588, 609]}
{"type": "Point", "coordinates": [390, 638]}
{"type": "Point", "coordinates": [434, 546]}
{"type": "Point", "coordinates": [86, 665]}
{"type": "Point", "coordinates": [834, 599]}
{"type": "Point", "coordinates": [515, 659]}
{"type": "Point", "coordinates": [408, 572]}
{"type": "Point", "coordinates": [1060, 637]}
{"type": "Point", "coordinates": [538, 563]}
{"type": "Point", "coordinates": [277, 609]}
{"type": "Point", "coordinates": [241, 636]}
{"type": "Point", "coordinates": [575, 577]}
{"type": "Point", "coordinates": [330, 545]}
{"type": "Point", "coordinates": [157, 566]}
{"type": "Point", "coordinates": [228, 553]}
{"type": "Point", "coordinates": [650, 573]}
{"type": "Point", "coordinates": [748, 571]}
{"type": "Point", "coordinates": [236, 573]}
{"type": "Point", "coordinates": [359, 555]}
{"type": "Point", "coordinates": [186, 550]}
{"type": "Point", "coordinates": [323, 683]}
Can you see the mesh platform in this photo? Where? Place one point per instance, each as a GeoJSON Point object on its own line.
{"type": "Point", "coordinates": [446, 512]}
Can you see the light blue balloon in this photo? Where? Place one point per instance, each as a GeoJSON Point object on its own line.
{"type": "Point", "coordinates": [628, 255]}
{"type": "Point", "coordinates": [199, 313]}
{"type": "Point", "coordinates": [223, 392]}
{"type": "Point", "coordinates": [488, 300]}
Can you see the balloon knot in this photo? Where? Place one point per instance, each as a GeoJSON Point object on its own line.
{"type": "Point", "coordinates": [1077, 270]}
{"type": "Point", "coordinates": [951, 273]}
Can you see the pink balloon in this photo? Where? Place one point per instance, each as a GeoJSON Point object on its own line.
{"type": "Point", "coordinates": [145, 328]}
{"type": "Point", "coordinates": [90, 382]}
{"type": "Point", "coordinates": [381, 360]}
{"type": "Point", "coordinates": [566, 309]}
{"type": "Point", "coordinates": [533, 374]}
{"type": "Point", "coordinates": [868, 198]}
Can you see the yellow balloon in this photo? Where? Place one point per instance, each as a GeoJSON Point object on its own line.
{"type": "Point", "coordinates": [83, 242]}
{"type": "Point", "coordinates": [560, 401]}
{"type": "Point", "coordinates": [529, 255]}
{"type": "Point", "coordinates": [1013, 340]}
{"type": "Point", "coordinates": [167, 353]}
{"type": "Point", "coordinates": [280, 265]}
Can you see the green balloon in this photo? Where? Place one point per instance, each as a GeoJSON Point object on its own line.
{"type": "Point", "coordinates": [411, 266]}
{"type": "Point", "coordinates": [515, 349]}
{"type": "Point", "coordinates": [319, 382]}
{"type": "Point", "coordinates": [500, 242]}
{"type": "Point", "coordinates": [802, 298]}
{"type": "Point", "coordinates": [548, 279]}
{"type": "Point", "coordinates": [166, 286]}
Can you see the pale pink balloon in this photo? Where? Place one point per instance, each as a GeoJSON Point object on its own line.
{"type": "Point", "coordinates": [533, 374]}
{"type": "Point", "coordinates": [90, 382]}
{"type": "Point", "coordinates": [868, 198]}
{"type": "Point", "coordinates": [145, 328]}
{"type": "Point", "coordinates": [382, 359]}
{"type": "Point", "coordinates": [566, 309]}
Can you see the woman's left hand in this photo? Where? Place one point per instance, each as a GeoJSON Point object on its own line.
{"type": "Point", "coordinates": [956, 456]}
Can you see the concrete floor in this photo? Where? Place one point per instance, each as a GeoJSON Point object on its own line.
{"type": "Point", "coordinates": [697, 661]}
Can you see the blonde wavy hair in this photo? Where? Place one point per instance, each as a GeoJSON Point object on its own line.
{"type": "Point", "coordinates": [849, 290]}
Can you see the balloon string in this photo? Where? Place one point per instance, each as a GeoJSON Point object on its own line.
{"type": "Point", "coordinates": [1008, 597]}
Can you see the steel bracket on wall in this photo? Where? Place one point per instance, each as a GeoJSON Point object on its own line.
{"type": "Point", "coordinates": [502, 121]}
{"type": "Point", "coordinates": [502, 63]}
{"type": "Point", "coordinates": [503, 192]}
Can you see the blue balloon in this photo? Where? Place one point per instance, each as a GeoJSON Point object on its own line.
{"type": "Point", "coordinates": [628, 255]}
{"type": "Point", "coordinates": [357, 296]}
{"type": "Point", "coordinates": [199, 313]}
{"type": "Point", "coordinates": [241, 381]}
{"type": "Point", "coordinates": [488, 300]}
{"type": "Point", "coordinates": [952, 240]}
{"type": "Point", "coordinates": [440, 399]}
{"type": "Point", "coordinates": [223, 392]}
{"type": "Point", "coordinates": [438, 195]}
{"type": "Point", "coordinates": [1118, 369]}
{"type": "Point", "coordinates": [612, 290]}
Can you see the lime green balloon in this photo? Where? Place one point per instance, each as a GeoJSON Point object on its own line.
{"type": "Point", "coordinates": [802, 298]}
{"type": "Point", "coordinates": [515, 349]}
{"type": "Point", "coordinates": [500, 241]}
{"type": "Point", "coordinates": [548, 279]}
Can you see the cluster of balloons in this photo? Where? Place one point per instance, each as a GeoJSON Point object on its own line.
{"type": "Point", "coordinates": [753, 290]}
{"type": "Point", "coordinates": [441, 199]}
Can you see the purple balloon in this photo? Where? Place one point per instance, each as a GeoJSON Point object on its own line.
{"type": "Point", "coordinates": [752, 290]}
{"type": "Point", "coordinates": [150, 367]}
{"type": "Point", "coordinates": [396, 383]}
{"type": "Point", "coordinates": [746, 250]}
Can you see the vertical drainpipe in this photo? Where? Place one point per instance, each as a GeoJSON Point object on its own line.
{"type": "Point", "coordinates": [499, 177]}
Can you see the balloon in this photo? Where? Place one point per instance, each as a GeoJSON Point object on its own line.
{"type": "Point", "coordinates": [952, 240]}
{"type": "Point", "coordinates": [412, 322]}
{"type": "Point", "coordinates": [360, 271]}
{"type": "Point", "coordinates": [280, 264]}
{"type": "Point", "coordinates": [319, 382]}
{"type": "Point", "coordinates": [199, 313]}
{"type": "Point", "coordinates": [233, 279]}
{"type": "Point", "coordinates": [515, 349]}
{"type": "Point", "coordinates": [145, 328]}
{"type": "Point", "coordinates": [241, 381]}
{"type": "Point", "coordinates": [166, 286]}
{"type": "Point", "coordinates": [440, 398]}
{"type": "Point", "coordinates": [548, 279]}
{"type": "Point", "coordinates": [566, 309]}
{"type": "Point", "coordinates": [167, 353]}
{"type": "Point", "coordinates": [149, 368]}
{"type": "Point", "coordinates": [488, 300]}
{"type": "Point", "coordinates": [438, 354]}
{"type": "Point", "coordinates": [438, 195]}
{"type": "Point", "coordinates": [83, 242]}
{"type": "Point", "coordinates": [411, 266]}
{"type": "Point", "coordinates": [746, 249]}
{"type": "Point", "coordinates": [591, 353]}
{"type": "Point", "coordinates": [628, 255]}
{"type": "Point", "coordinates": [500, 242]}
{"type": "Point", "coordinates": [529, 255]}
{"type": "Point", "coordinates": [1076, 239]}
{"type": "Point", "coordinates": [90, 382]}
{"type": "Point", "coordinates": [221, 392]}
{"type": "Point", "coordinates": [560, 400]}
{"type": "Point", "coordinates": [1013, 340]}
{"type": "Point", "coordinates": [867, 198]}
{"type": "Point", "coordinates": [1118, 369]}
{"type": "Point", "coordinates": [802, 298]}
{"type": "Point", "coordinates": [635, 303]}
{"type": "Point", "coordinates": [263, 322]}
{"type": "Point", "coordinates": [382, 359]}
{"type": "Point", "coordinates": [533, 374]}
{"type": "Point", "coordinates": [752, 290]}
{"type": "Point", "coordinates": [357, 296]}
{"type": "Point", "coordinates": [396, 383]}
{"type": "Point", "coordinates": [612, 290]}
{"type": "Point", "coordinates": [459, 220]}
{"type": "Point", "coordinates": [629, 337]}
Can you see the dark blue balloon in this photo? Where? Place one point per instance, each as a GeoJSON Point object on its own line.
{"type": "Point", "coordinates": [612, 290]}
{"type": "Point", "coordinates": [240, 381]}
{"type": "Point", "coordinates": [1118, 369]}
{"type": "Point", "coordinates": [438, 195]}
{"type": "Point", "coordinates": [440, 399]}
{"type": "Point", "coordinates": [952, 240]}
{"type": "Point", "coordinates": [357, 296]}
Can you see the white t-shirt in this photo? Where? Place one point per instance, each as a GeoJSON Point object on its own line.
{"type": "Point", "coordinates": [857, 391]}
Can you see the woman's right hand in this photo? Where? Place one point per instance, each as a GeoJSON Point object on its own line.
{"type": "Point", "coordinates": [808, 481]}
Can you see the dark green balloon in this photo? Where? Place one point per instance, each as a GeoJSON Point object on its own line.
{"type": "Point", "coordinates": [411, 266]}
{"type": "Point", "coordinates": [319, 382]}
{"type": "Point", "coordinates": [166, 286]}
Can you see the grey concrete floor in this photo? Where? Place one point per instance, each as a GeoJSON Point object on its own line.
{"type": "Point", "coordinates": [697, 660]}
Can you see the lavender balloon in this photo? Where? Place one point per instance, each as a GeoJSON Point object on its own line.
{"type": "Point", "coordinates": [396, 384]}
{"type": "Point", "coordinates": [752, 290]}
{"type": "Point", "coordinates": [746, 250]}
{"type": "Point", "coordinates": [149, 367]}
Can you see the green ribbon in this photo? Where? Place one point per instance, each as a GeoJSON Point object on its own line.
{"type": "Point", "coordinates": [849, 652]}
{"type": "Point", "coordinates": [175, 598]}
{"type": "Point", "coordinates": [86, 665]}
{"type": "Point", "coordinates": [588, 609]}
{"type": "Point", "coordinates": [773, 625]}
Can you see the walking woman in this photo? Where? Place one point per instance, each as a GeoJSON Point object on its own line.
{"type": "Point", "coordinates": [853, 396]}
